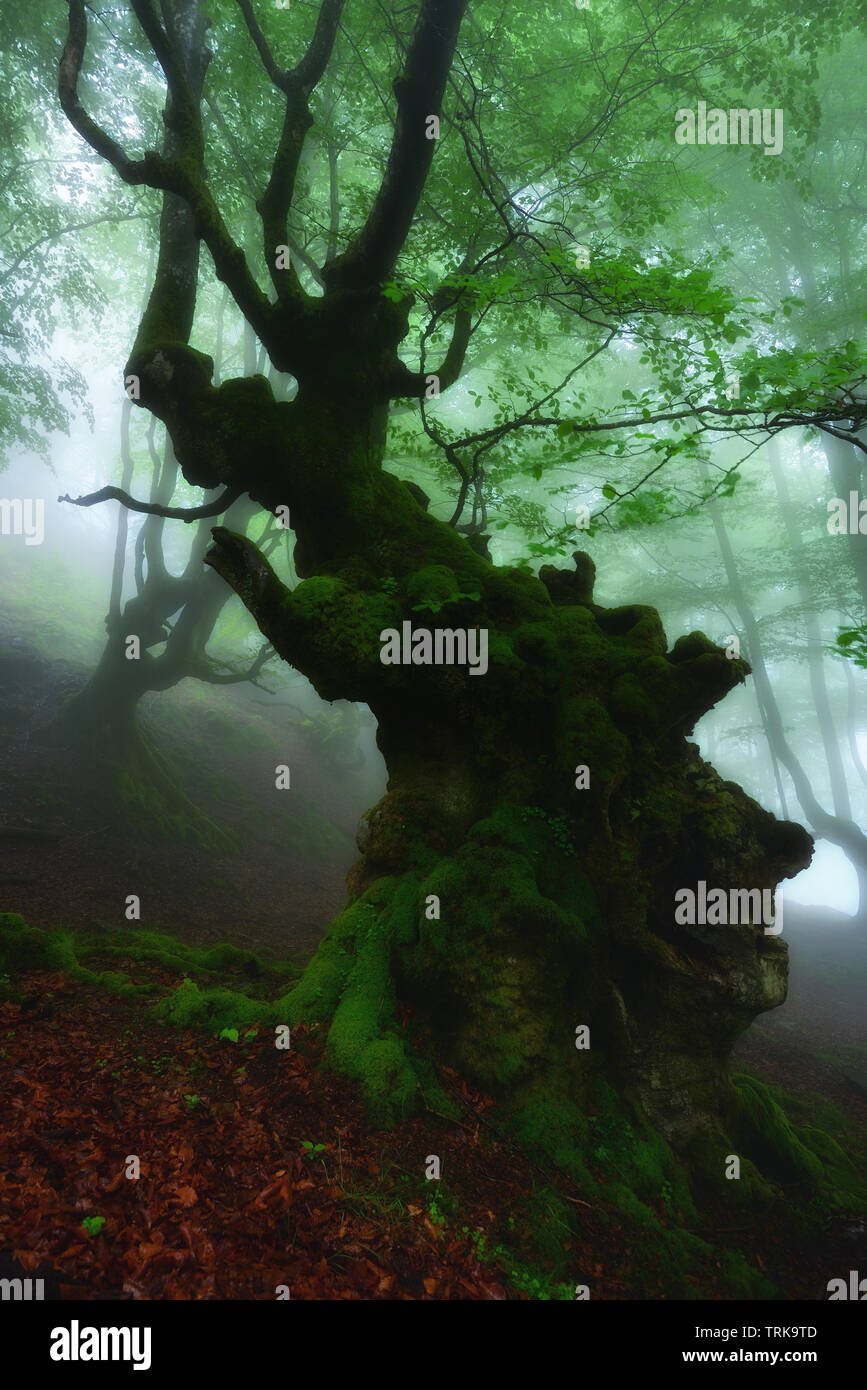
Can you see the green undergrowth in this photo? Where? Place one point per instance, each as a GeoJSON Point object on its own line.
{"type": "Point", "coordinates": [222, 986]}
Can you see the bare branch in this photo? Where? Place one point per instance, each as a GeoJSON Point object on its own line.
{"type": "Point", "coordinates": [419, 92]}
{"type": "Point", "coordinates": [132, 171]}
{"type": "Point", "coordinates": [165, 53]}
{"type": "Point", "coordinates": [298, 84]}
{"type": "Point", "coordinates": [771, 422]}
{"type": "Point", "coordinates": [309, 71]}
{"type": "Point", "coordinates": [407, 383]}
{"type": "Point", "coordinates": [279, 76]}
{"type": "Point", "coordinates": [237, 677]}
{"type": "Point", "coordinates": [170, 176]}
{"type": "Point", "coordinates": [116, 494]}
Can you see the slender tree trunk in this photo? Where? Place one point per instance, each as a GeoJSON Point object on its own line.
{"type": "Point", "coordinates": [837, 829]}
{"type": "Point", "coordinates": [848, 468]}
{"type": "Point", "coordinates": [853, 723]}
{"type": "Point", "coordinates": [815, 645]}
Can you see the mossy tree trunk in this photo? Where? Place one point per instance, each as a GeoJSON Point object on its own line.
{"type": "Point", "coordinates": [504, 903]}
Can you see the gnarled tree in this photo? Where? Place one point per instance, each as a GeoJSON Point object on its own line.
{"type": "Point", "coordinates": [505, 903]}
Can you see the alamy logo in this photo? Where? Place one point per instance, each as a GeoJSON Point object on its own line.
{"type": "Point", "coordinates": [22, 1290]}
{"type": "Point", "coordinates": [76, 1343]}
{"type": "Point", "coordinates": [847, 521]}
{"type": "Point", "coordinates": [737, 906]}
{"type": "Point", "coordinates": [445, 646]}
{"type": "Point", "coordinates": [739, 126]}
{"type": "Point", "coordinates": [23, 518]}
{"type": "Point", "coordinates": [857, 1289]}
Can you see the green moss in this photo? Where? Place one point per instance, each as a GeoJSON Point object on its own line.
{"type": "Point", "coordinates": [616, 1159]}
{"type": "Point", "coordinates": [350, 981]}
{"type": "Point", "coordinates": [708, 1156]}
{"type": "Point", "coordinates": [630, 704]}
{"type": "Point", "coordinates": [147, 945]}
{"type": "Point", "coordinates": [555, 1127]}
{"type": "Point", "coordinates": [339, 628]}
{"type": "Point", "coordinates": [588, 736]}
{"type": "Point", "coordinates": [389, 1085]}
{"type": "Point", "coordinates": [826, 1148]}
{"type": "Point", "coordinates": [619, 1163]}
{"type": "Point", "coordinates": [743, 1280]}
{"type": "Point", "coordinates": [317, 993]}
{"type": "Point", "coordinates": [767, 1134]}
{"type": "Point", "coordinates": [433, 585]}
{"type": "Point", "coordinates": [188, 1006]}
{"type": "Point", "coordinates": [23, 947]}
{"type": "Point", "coordinates": [369, 994]}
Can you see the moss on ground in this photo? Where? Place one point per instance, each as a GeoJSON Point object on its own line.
{"type": "Point", "coordinates": [211, 1005]}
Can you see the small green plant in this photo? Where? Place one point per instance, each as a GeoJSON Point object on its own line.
{"type": "Point", "coordinates": [93, 1224]}
{"type": "Point", "coordinates": [192, 1101]}
{"type": "Point", "coordinates": [230, 1033]}
{"type": "Point", "coordinates": [312, 1150]}
{"type": "Point", "coordinates": [480, 1241]}
{"type": "Point", "coordinates": [436, 1215]}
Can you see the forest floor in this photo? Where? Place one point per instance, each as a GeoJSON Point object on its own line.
{"type": "Point", "coordinates": [259, 1169]}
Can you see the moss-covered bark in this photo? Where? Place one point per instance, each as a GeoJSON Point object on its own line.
{"type": "Point", "coordinates": [555, 905]}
